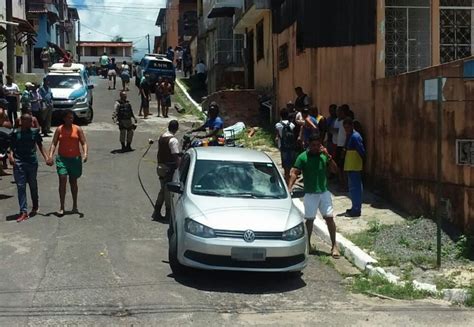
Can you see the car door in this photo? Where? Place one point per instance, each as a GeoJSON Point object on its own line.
{"type": "Point", "coordinates": [181, 176]}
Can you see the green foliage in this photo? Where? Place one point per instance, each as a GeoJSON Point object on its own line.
{"type": "Point", "coordinates": [380, 285]}
{"type": "Point", "coordinates": [465, 247]}
{"type": "Point", "coordinates": [470, 300]}
{"type": "Point", "coordinates": [443, 282]}
{"type": "Point", "coordinates": [262, 138]}
{"type": "Point", "coordinates": [184, 102]}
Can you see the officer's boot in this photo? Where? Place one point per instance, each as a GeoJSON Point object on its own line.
{"type": "Point", "coordinates": [124, 148]}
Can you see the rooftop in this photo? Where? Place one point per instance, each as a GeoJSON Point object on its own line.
{"type": "Point", "coordinates": [105, 44]}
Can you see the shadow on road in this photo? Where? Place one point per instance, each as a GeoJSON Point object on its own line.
{"type": "Point", "coordinates": [5, 196]}
{"type": "Point", "coordinates": [241, 282]}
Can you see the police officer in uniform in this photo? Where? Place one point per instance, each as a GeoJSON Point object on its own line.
{"type": "Point", "coordinates": [123, 116]}
{"type": "Point", "coordinates": [168, 161]}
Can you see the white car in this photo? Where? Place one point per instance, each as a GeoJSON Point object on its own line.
{"type": "Point", "coordinates": [231, 210]}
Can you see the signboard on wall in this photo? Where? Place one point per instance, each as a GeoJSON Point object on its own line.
{"type": "Point", "coordinates": [465, 152]}
{"type": "Point", "coordinates": [431, 89]}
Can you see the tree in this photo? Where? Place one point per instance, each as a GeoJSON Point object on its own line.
{"type": "Point", "coordinates": [117, 38]}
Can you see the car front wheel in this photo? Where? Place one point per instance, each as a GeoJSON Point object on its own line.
{"type": "Point", "coordinates": [176, 267]}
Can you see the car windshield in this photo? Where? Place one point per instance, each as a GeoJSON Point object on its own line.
{"type": "Point", "coordinates": [64, 81]}
{"type": "Point", "coordinates": [158, 64]}
{"type": "Point", "coordinates": [237, 179]}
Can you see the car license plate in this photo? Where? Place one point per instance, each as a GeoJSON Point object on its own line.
{"type": "Point", "coordinates": [248, 254]}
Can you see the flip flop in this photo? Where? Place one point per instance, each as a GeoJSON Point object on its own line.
{"type": "Point", "coordinates": [335, 255]}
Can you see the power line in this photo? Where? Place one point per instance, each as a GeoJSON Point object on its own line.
{"type": "Point", "coordinates": [99, 32]}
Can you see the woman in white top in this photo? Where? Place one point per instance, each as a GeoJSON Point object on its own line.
{"type": "Point", "coordinates": [125, 75]}
{"type": "Point", "coordinates": [12, 94]}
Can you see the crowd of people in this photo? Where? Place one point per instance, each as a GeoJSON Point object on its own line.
{"type": "Point", "coordinates": [319, 148]}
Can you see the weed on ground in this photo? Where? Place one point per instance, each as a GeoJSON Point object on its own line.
{"type": "Point", "coordinates": [263, 139]}
{"type": "Point", "coordinates": [378, 285]}
{"type": "Point", "coordinates": [185, 104]}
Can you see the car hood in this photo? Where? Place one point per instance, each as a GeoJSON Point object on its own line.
{"type": "Point", "coordinates": [243, 214]}
{"type": "Point", "coordinates": [68, 93]}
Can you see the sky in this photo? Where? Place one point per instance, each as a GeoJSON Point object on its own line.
{"type": "Point", "coordinates": [101, 20]}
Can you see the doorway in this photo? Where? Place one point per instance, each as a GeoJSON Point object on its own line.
{"type": "Point", "coordinates": [251, 60]}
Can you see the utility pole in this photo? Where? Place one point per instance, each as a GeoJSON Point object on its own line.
{"type": "Point", "coordinates": [79, 41]}
{"type": "Point", "coordinates": [11, 69]}
{"type": "Point", "coordinates": [148, 38]}
{"type": "Point", "coordinates": [439, 158]}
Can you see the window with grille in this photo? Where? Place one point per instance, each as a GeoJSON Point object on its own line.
{"type": "Point", "coordinates": [407, 36]}
{"type": "Point", "coordinates": [455, 29]}
{"type": "Point", "coordinates": [283, 56]}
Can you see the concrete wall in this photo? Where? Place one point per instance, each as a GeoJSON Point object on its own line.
{"type": "Point", "coordinates": [403, 158]}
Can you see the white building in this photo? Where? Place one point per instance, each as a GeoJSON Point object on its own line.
{"type": "Point", "coordinates": [91, 51]}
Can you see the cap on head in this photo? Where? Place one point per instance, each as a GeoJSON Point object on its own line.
{"type": "Point", "coordinates": [29, 84]}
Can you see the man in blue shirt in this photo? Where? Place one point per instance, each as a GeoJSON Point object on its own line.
{"type": "Point", "coordinates": [214, 124]}
{"type": "Point", "coordinates": [47, 104]}
{"type": "Point", "coordinates": [309, 127]}
{"type": "Point", "coordinates": [353, 165]}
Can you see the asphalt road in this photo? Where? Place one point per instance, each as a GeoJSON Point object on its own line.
{"type": "Point", "coordinates": [108, 265]}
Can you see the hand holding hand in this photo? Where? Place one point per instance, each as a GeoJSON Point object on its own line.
{"type": "Point", "coordinates": [49, 162]}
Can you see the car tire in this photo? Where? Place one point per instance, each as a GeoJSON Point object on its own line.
{"type": "Point", "coordinates": [176, 267]}
{"type": "Point", "coordinates": [91, 116]}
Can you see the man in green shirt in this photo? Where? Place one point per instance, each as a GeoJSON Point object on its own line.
{"type": "Point", "coordinates": [25, 164]}
{"type": "Point", "coordinates": [314, 163]}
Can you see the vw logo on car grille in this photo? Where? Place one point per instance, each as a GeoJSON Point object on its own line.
{"type": "Point", "coordinates": [249, 236]}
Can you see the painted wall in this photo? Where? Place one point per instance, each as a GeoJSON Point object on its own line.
{"type": "Point", "coordinates": [404, 155]}
{"type": "Point", "coordinates": [263, 69]}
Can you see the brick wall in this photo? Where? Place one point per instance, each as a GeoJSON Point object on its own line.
{"type": "Point", "coordinates": [236, 106]}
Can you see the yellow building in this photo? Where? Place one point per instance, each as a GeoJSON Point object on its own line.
{"type": "Point", "coordinates": [254, 20]}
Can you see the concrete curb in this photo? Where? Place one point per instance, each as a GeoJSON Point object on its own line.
{"type": "Point", "coordinates": [183, 89]}
{"type": "Point", "coordinates": [366, 263]}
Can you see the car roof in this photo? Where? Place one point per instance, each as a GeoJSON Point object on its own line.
{"type": "Point", "coordinates": [154, 58]}
{"type": "Point", "coordinates": [222, 153]}
{"type": "Point", "coordinates": [71, 67]}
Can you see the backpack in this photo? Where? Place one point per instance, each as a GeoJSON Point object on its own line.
{"type": "Point", "coordinates": [287, 137]}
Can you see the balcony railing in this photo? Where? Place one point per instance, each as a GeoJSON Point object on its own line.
{"type": "Point", "coordinates": [228, 51]}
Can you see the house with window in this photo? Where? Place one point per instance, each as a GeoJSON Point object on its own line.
{"type": "Point", "coordinates": [25, 37]}
{"type": "Point", "coordinates": [375, 56]}
{"type": "Point", "coordinates": [91, 51]}
{"type": "Point", "coordinates": [218, 45]}
{"type": "Point", "coordinates": [178, 23]}
{"type": "Point", "coordinates": [254, 21]}
{"type": "Point", "coordinates": [54, 22]}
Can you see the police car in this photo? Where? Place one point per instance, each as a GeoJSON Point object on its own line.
{"type": "Point", "coordinates": [71, 89]}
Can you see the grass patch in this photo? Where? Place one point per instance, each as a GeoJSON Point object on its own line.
{"type": "Point", "coordinates": [465, 247]}
{"type": "Point", "coordinates": [263, 137]}
{"type": "Point", "coordinates": [325, 259]}
{"type": "Point", "coordinates": [366, 239]}
{"type": "Point", "coordinates": [470, 300]}
{"type": "Point", "coordinates": [184, 102]}
{"type": "Point", "coordinates": [194, 89]}
{"type": "Point", "coordinates": [380, 285]}
{"type": "Point", "coordinates": [443, 282]}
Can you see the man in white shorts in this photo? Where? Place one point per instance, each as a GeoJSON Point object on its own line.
{"type": "Point", "coordinates": [314, 163]}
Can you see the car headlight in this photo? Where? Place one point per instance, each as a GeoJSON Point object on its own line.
{"type": "Point", "coordinates": [197, 229]}
{"type": "Point", "coordinates": [294, 233]}
{"type": "Point", "coordinates": [82, 100]}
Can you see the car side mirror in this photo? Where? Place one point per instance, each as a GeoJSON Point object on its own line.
{"type": "Point", "coordinates": [90, 86]}
{"type": "Point", "coordinates": [297, 193]}
{"type": "Point", "coordinates": [175, 187]}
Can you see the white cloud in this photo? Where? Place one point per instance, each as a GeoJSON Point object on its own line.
{"type": "Point", "coordinates": [131, 19]}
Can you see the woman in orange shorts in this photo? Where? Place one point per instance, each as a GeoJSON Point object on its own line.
{"type": "Point", "coordinates": [70, 139]}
